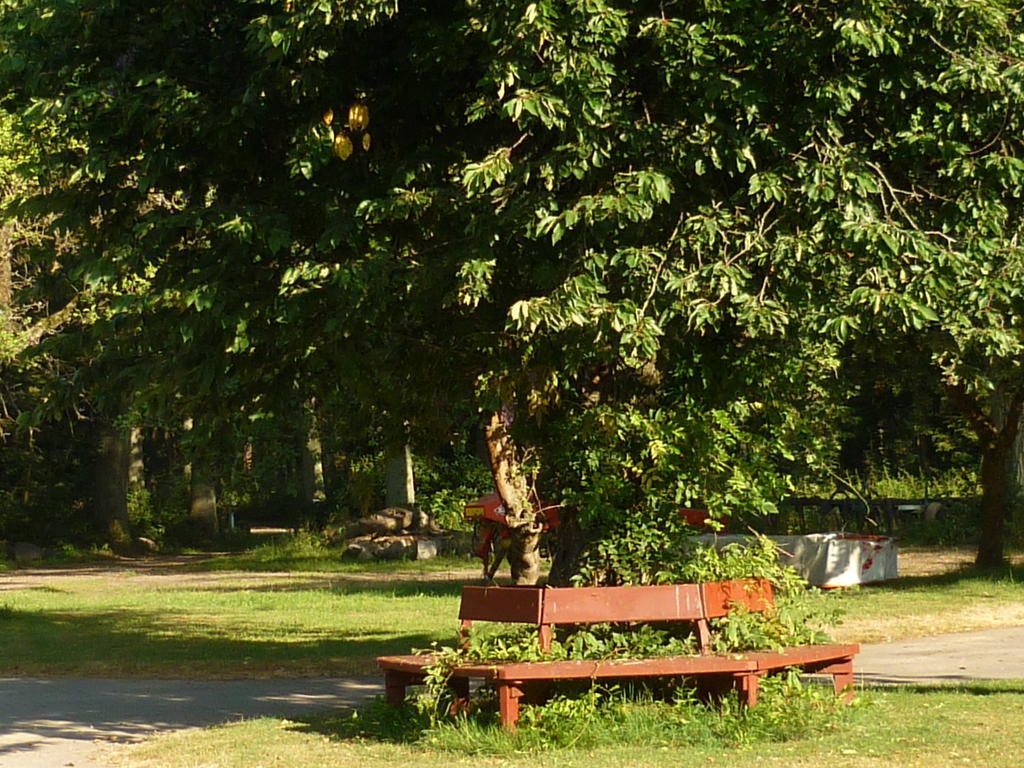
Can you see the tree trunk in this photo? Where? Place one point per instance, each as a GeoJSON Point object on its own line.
{"type": "Point", "coordinates": [202, 507]}
{"type": "Point", "coordinates": [524, 518]}
{"type": "Point", "coordinates": [995, 498]}
{"type": "Point", "coordinates": [996, 435]}
{"type": "Point", "coordinates": [112, 484]}
{"type": "Point", "coordinates": [136, 461]}
{"type": "Point", "coordinates": [400, 488]}
{"type": "Point", "coordinates": [311, 468]}
{"type": "Point", "coordinates": [1017, 466]}
{"type": "Point", "coordinates": [202, 493]}
{"type": "Point", "coordinates": [328, 457]}
{"type": "Point", "coordinates": [567, 549]}
{"type": "Point", "coordinates": [6, 274]}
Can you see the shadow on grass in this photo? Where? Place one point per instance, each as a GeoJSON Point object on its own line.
{"type": "Point", "coordinates": [137, 643]}
{"type": "Point", "coordinates": [957, 686]}
{"type": "Point", "coordinates": [340, 585]}
{"type": "Point", "coordinates": [328, 561]}
{"type": "Point", "coordinates": [375, 721]}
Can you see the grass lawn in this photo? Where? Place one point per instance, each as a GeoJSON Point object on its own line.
{"type": "Point", "coordinates": [177, 622]}
{"type": "Point", "coordinates": [925, 604]}
{"type": "Point", "coordinates": [933, 728]}
{"type": "Point", "coordinates": [289, 611]}
{"type": "Point", "coordinates": [286, 611]}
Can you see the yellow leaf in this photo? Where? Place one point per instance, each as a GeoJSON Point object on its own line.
{"type": "Point", "coordinates": [343, 146]}
{"type": "Point", "coordinates": [358, 116]}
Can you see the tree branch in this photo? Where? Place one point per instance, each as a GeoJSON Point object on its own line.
{"type": "Point", "coordinates": [982, 425]}
{"type": "Point", "coordinates": [50, 323]}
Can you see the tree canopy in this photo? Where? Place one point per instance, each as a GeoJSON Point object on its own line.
{"type": "Point", "coordinates": [636, 234]}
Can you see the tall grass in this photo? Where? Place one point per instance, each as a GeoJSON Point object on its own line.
{"type": "Point", "coordinates": [585, 717]}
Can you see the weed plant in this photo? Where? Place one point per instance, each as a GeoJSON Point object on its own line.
{"type": "Point", "coordinates": [590, 717]}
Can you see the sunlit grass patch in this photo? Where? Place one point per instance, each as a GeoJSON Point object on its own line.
{"type": "Point", "coordinates": [956, 601]}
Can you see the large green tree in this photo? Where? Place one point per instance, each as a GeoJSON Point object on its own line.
{"type": "Point", "coordinates": [631, 234]}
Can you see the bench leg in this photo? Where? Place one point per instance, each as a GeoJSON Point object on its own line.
{"type": "Point", "coordinates": [509, 693]}
{"type": "Point", "coordinates": [747, 686]}
{"type": "Point", "coordinates": [842, 679]}
{"type": "Point", "coordinates": [394, 687]}
{"type": "Point", "coordinates": [460, 694]}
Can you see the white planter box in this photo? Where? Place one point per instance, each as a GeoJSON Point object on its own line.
{"type": "Point", "coordinates": [830, 559]}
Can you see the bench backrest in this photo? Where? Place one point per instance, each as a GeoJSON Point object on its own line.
{"type": "Point", "coordinates": [548, 606]}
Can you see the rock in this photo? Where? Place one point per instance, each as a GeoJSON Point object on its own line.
{"type": "Point", "coordinates": [359, 549]}
{"type": "Point", "coordinates": [391, 520]}
{"type": "Point", "coordinates": [144, 544]}
{"type": "Point", "coordinates": [424, 523]}
{"type": "Point", "coordinates": [24, 552]}
{"type": "Point", "coordinates": [429, 548]}
{"type": "Point", "coordinates": [339, 535]}
{"type": "Point", "coordinates": [398, 548]}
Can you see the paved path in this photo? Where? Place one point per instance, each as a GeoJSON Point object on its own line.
{"type": "Point", "coordinates": [49, 723]}
{"type": "Point", "coordinates": [992, 654]}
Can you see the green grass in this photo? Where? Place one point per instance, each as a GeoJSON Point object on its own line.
{"type": "Point", "coordinates": [218, 625]}
{"type": "Point", "coordinates": [937, 728]}
{"type": "Point", "coordinates": [286, 555]}
{"type": "Point", "coordinates": [927, 605]}
{"type": "Point", "coordinates": [230, 617]}
{"type": "Point", "coordinates": [240, 615]}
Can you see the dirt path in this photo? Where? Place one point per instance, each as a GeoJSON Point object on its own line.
{"type": "Point", "coordinates": [185, 571]}
{"type": "Point", "coordinates": [930, 561]}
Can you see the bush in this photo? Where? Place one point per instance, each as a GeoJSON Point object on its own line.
{"type": "Point", "coordinates": [445, 486]}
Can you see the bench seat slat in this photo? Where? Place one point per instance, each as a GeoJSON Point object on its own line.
{"type": "Point", "coordinates": [801, 656]}
{"type": "Point", "coordinates": [608, 668]}
{"type": "Point", "coordinates": [759, 661]}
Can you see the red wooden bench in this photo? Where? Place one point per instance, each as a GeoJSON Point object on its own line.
{"type": "Point", "coordinates": [547, 607]}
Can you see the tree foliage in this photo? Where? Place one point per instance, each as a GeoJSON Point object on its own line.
{"type": "Point", "coordinates": [639, 231]}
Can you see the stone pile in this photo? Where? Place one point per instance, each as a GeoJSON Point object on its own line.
{"type": "Point", "coordinates": [395, 534]}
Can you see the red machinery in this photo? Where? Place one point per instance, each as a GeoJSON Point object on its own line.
{"type": "Point", "coordinates": [698, 518]}
{"type": "Point", "coordinates": [491, 531]}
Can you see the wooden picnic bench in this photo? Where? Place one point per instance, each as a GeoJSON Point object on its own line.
{"type": "Point", "coordinates": [547, 607]}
